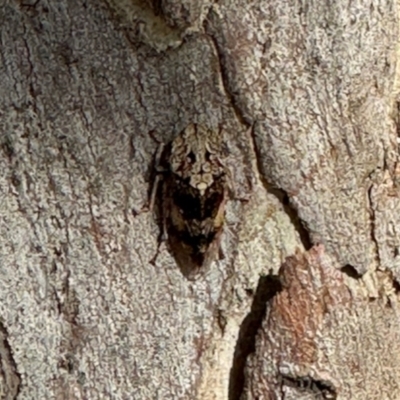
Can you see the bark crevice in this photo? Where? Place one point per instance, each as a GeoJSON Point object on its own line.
{"type": "Point", "coordinates": [373, 224]}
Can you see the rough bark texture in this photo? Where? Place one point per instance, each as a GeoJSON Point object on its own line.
{"type": "Point", "coordinates": [324, 339]}
{"type": "Point", "coordinates": [307, 95]}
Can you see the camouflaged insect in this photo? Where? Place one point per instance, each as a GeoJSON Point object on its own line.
{"type": "Point", "coordinates": [194, 195]}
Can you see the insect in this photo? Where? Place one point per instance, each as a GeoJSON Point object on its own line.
{"type": "Point", "coordinates": [194, 194]}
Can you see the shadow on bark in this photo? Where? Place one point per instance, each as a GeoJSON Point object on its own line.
{"type": "Point", "coordinates": [268, 287]}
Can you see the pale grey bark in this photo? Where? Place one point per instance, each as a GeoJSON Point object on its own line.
{"type": "Point", "coordinates": [307, 95]}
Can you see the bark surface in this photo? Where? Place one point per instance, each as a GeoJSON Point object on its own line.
{"type": "Point", "coordinates": [303, 302]}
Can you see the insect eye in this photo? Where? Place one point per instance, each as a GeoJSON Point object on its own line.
{"type": "Point", "coordinates": [191, 157]}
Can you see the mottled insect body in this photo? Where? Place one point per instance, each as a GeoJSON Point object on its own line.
{"type": "Point", "coordinates": [194, 193]}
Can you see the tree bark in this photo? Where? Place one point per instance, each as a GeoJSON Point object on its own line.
{"type": "Point", "coordinates": [302, 303]}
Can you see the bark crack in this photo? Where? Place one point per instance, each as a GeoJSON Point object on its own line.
{"type": "Point", "coordinates": [284, 199]}
{"type": "Point", "coordinates": [279, 193]}
{"type": "Point", "coordinates": [223, 74]}
{"type": "Point", "coordinates": [31, 74]}
{"type": "Point", "coordinates": [293, 215]}
{"type": "Point", "coordinates": [373, 223]}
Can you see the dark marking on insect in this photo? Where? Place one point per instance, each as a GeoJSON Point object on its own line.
{"type": "Point", "coordinates": [193, 198]}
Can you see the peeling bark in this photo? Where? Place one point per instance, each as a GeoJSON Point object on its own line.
{"type": "Point", "coordinates": [321, 339]}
